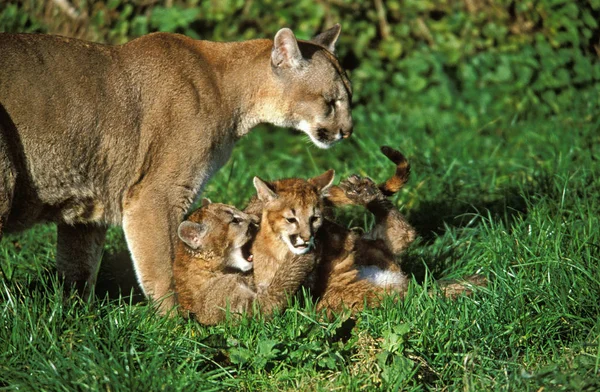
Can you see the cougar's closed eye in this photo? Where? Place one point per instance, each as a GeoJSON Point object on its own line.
{"type": "Point", "coordinates": [331, 105]}
{"type": "Point", "coordinates": [291, 220]}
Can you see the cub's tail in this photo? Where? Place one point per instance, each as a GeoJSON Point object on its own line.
{"type": "Point", "coordinates": [400, 177]}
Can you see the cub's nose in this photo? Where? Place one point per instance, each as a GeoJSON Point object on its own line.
{"type": "Point", "coordinates": [300, 242]}
{"type": "Point", "coordinates": [304, 241]}
{"type": "Point", "coordinates": [346, 133]}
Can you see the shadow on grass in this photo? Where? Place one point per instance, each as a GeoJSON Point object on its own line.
{"type": "Point", "coordinates": [432, 219]}
{"type": "Point", "coordinates": [119, 284]}
{"type": "Point", "coordinates": [116, 278]}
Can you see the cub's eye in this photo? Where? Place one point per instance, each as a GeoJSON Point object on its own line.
{"type": "Point", "coordinates": [236, 220]}
{"type": "Point", "coordinates": [291, 220]}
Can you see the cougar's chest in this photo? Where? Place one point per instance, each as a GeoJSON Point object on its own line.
{"type": "Point", "coordinates": [214, 159]}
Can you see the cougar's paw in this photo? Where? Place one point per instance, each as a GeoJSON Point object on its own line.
{"type": "Point", "coordinates": [361, 190]}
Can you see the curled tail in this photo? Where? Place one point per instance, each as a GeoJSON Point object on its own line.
{"type": "Point", "coordinates": [400, 177]}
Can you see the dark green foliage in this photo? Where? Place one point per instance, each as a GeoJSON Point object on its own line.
{"type": "Point", "coordinates": [416, 58]}
{"type": "Point", "coordinates": [15, 18]}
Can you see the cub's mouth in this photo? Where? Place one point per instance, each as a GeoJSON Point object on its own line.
{"type": "Point", "coordinates": [241, 258]}
{"type": "Point", "coordinates": [246, 250]}
{"type": "Point", "coordinates": [298, 245]}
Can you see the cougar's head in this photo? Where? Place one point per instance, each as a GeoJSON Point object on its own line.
{"type": "Point", "coordinates": [221, 232]}
{"type": "Point", "coordinates": [293, 209]}
{"type": "Point", "coordinates": [315, 93]}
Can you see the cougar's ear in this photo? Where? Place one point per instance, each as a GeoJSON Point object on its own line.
{"type": "Point", "coordinates": [192, 233]}
{"type": "Point", "coordinates": [206, 201]}
{"type": "Point", "coordinates": [264, 192]}
{"type": "Point", "coordinates": [285, 53]}
{"type": "Point", "coordinates": [328, 38]}
{"type": "Point", "coordinates": [324, 181]}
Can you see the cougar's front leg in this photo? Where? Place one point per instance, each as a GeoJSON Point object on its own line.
{"type": "Point", "coordinates": [150, 225]}
{"type": "Point", "coordinates": [8, 174]}
{"type": "Point", "coordinates": [78, 253]}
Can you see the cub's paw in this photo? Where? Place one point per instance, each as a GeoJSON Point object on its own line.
{"type": "Point", "coordinates": [361, 190]}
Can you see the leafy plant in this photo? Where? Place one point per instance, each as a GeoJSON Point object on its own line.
{"type": "Point", "coordinates": [480, 60]}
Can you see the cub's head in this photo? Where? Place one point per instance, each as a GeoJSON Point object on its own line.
{"type": "Point", "coordinates": [293, 209]}
{"type": "Point", "coordinates": [314, 92]}
{"type": "Point", "coordinates": [221, 235]}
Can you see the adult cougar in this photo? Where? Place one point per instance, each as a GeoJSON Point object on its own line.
{"type": "Point", "coordinates": [94, 135]}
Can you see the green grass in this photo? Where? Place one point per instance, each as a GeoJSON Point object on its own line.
{"type": "Point", "coordinates": [517, 201]}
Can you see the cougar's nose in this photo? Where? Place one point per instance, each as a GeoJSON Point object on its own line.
{"type": "Point", "coordinates": [346, 133]}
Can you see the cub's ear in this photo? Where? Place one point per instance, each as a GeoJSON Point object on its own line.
{"type": "Point", "coordinates": [264, 192]}
{"type": "Point", "coordinates": [206, 201]}
{"type": "Point", "coordinates": [324, 181]}
{"type": "Point", "coordinates": [254, 219]}
{"type": "Point", "coordinates": [285, 53]}
{"type": "Point", "coordinates": [328, 38]}
{"type": "Point", "coordinates": [192, 233]}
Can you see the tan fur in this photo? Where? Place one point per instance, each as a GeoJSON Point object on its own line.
{"type": "Point", "coordinates": [342, 280]}
{"type": "Point", "coordinates": [340, 252]}
{"type": "Point", "coordinates": [291, 212]}
{"type": "Point", "coordinates": [208, 283]}
{"type": "Point", "coordinates": [353, 270]}
{"type": "Point", "coordinates": [342, 255]}
{"type": "Point", "coordinates": [94, 135]}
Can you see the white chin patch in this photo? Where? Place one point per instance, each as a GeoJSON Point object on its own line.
{"type": "Point", "coordinates": [381, 277]}
{"type": "Point", "coordinates": [237, 261]}
{"type": "Point", "coordinates": [299, 251]}
{"type": "Point", "coordinates": [305, 127]}
{"type": "Point", "coordinates": [293, 249]}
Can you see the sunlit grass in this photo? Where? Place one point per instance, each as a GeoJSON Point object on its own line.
{"type": "Point", "coordinates": [517, 202]}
